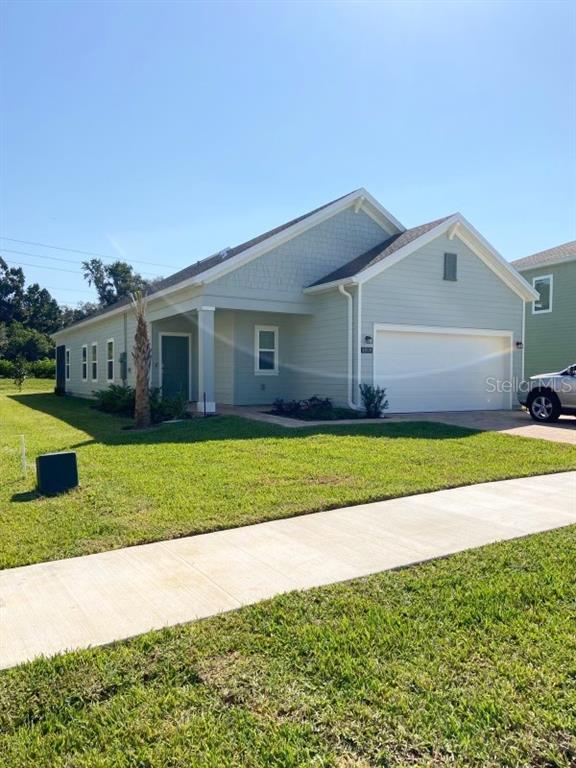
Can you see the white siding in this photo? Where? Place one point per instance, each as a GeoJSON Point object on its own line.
{"type": "Point", "coordinates": [119, 327]}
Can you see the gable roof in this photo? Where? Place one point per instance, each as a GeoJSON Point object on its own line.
{"type": "Point", "coordinates": [374, 255]}
{"type": "Point", "coordinates": [393, 250]}
{"type": "Point", "coordinates": [212, 266]}
{"type": "Point", "coordinates": [557, 255]}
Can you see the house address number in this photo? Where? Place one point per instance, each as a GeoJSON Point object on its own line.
{"type": "Point", "coordinates": [367, 350]}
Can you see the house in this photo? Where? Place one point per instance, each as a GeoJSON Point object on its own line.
{"type": "Point", "coordinates": [551, 319]}
{"type": "Point", "coordinates": [341, 295]}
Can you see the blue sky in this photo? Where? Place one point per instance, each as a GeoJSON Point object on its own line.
{"type": "Point", "coordinates": [163, 132]}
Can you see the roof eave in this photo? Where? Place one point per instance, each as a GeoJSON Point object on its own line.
{"type": "Point", "coordinates": [323, 287]}
{"type": "Point", "coordinates": [543, 264]}
{"type": "Point", "coordinates": [454, 226]}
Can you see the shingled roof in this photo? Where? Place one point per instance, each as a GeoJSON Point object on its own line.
{"type": "Point", "coordinates": [382, 251]}
{"type": "Point", "coordinates": [557, 255]}
{"type": "Point", "coordinates": [210, 261]}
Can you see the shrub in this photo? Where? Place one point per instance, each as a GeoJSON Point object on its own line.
{"type": "Point", "coordinates": [43, 369]}
{"type": "Point", "coordinates": [373, 399]}
{"type": "Point", "coordinates": [315, 408]}
{"type": "Point", "coordinates": [6, 367]}
{"type": "Point", "coordinates": [175, 407]}
{"type": "Point", "coordinates": [120, 400]}
{"type": "Point", "coordinates": [19, 372]}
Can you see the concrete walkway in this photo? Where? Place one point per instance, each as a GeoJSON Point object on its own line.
{"type": "Point", "coordinates": [92, 600]}
{"type": "Point", "coordinates": [509, 422]}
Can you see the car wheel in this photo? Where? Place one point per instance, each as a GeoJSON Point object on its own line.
{"type": "Point", "coordinates": [545, 407]}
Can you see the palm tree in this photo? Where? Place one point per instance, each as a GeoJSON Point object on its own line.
{"type": "Point", "coordinates": [142, 355]}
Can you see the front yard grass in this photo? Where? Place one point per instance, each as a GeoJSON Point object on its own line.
{"type": "Point", "coordinates": [207, 474]}
{"type": "Point", "coordinates": [467, 662]}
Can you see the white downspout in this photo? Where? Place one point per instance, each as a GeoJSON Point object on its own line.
{"type": "Point", "coordinates": [351, 403]}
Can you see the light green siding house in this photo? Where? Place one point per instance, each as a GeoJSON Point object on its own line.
{"type": "Point", "coordinates": [340, 296]}
{"type": "Point", "coordinates": [551, 319]}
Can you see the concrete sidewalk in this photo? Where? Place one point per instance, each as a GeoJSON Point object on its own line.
{"type": "Point", "coordinates": [92, 600]}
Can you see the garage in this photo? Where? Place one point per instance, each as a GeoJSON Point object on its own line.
{"type": "Point", "coordinates": [442, 369]}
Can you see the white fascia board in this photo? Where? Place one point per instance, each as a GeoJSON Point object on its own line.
{"type": "Point", "coordinates": [375, 210]}
{"type": "Point", "coordinates": [406, 250]}
{"type": "Point", "coordinates": [369, 205]}
{"type": "Point", "coordinates": [470, 237]}
{"type": "Point", "coordinates": [482, 248]}
{"type": "Point", "coordinates": [92, 320]}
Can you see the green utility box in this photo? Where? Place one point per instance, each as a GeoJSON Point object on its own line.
{"type": "Point", "coordinates": [56, 472]}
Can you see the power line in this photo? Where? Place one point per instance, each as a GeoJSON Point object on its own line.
{"type": "Point", "coordinates": [85, 253]}
{"type": "Point", "coordinates": [75, 290]}
{"type": "Point", "coordinates": [37, 266]}
{"type": "Point", "coordinates": [55, 258]}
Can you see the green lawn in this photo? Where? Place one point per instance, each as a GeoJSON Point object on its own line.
{"type": "Point", "coordinates": [207, 474]}
{"type": "Point", "coordinates": [467, 662]}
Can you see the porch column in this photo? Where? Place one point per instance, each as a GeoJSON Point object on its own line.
{"type": "Point", "coordinates": [206, 360]}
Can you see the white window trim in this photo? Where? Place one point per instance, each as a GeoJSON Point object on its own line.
{"type": "Point", "coordinates": [94, 345]}
{"type": "Point", "coordinates": [108, 359]}
{"type": "Point", "coordinates": [257, 349]}
{"type": "Point", "coordinates": [67, 363]}
{"type": "Point", "coordinates": [543, 311]}
{"type": "Point", "coordinates": [84, 363]}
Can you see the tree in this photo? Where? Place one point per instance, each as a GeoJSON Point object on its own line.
{"type": "Point", "coordinates": [19, 372]}
{"type": "Point", "coordinates": [69, 315]}
{"type": "Point", "coordinates": [11, 292]}
{"type": "Point", "coordinates": [113, 281]}
{"type": "Point", "coordinates": [40, 311]}
{"type": "Point", "coordinates": [142, 355]}
{"type": "Point", "coordinates": [19, 341]}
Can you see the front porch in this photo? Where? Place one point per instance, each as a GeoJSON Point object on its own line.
{"type": "Point", "coordinates": [231, 357]}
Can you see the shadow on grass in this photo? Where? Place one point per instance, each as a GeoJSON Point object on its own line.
{"type": "Point", "coordinates": [25, 496]}
{"type": "Point", "coordinates": [111, 430]}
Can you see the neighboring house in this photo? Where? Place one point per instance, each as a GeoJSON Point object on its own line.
{"type": "Point", "coordinates": [342, 295]}
{"type": "Point", "coordinates": [551, 319]}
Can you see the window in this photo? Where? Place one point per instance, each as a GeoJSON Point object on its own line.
{"type": "Point", "coordinates": [84, 362]}
{"type": "Point", "coordinates": [544, 286]}
{"type": "Point", "coordinates": [266, 350]}
{"type": "Point", "coordinates": [67, 364]}
{"type": "Point", "coordinates": [451, 267]}
{"type": "Point", "coordinates": [110, 360]}
{"type": "Point", "coordinates": [94, 361]}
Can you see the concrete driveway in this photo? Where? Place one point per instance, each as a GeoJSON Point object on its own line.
{"type": "Point", "coordinates": [507, 422]}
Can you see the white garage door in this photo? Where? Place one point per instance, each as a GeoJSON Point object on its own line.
{"type": "Point", "coordinates": [433, 369]}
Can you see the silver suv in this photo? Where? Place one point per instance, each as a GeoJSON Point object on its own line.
{"type": "Point", "coordinates": [548, 395]}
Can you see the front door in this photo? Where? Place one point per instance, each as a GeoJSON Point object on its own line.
{"type": "Point", "coordinates": [175, 365]}
{"type": "Point", "coordinates": [60, 369]}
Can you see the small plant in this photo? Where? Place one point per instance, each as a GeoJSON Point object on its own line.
{"type": "Point", "coordinates": [373, 400]}
{"type": "Point", "coordinates": [315, 408]}
{"type": "Point", "coordinates": [19, 372]}
{"type": "Point", "coordinates": [318, 408]}
{"type": "Point", "coordinates": [116, 399]}
{"type": "Point", "coordinates": [176, 407]}
{"type": "Point", "coordinates": [119, 400]}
